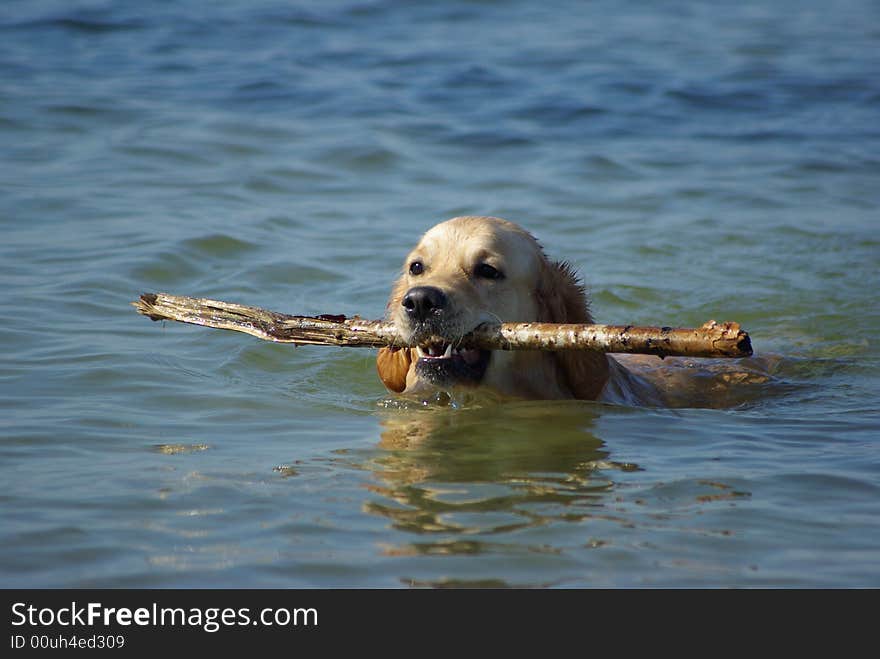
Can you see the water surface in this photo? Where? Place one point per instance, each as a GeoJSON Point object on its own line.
{"type": "Point", "coordinates": [692, 161]}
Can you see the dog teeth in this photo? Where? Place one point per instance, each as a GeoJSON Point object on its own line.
{"type": "Point", "coordinates": [436, 351]}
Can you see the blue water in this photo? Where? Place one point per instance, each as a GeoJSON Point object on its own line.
{"type": "Point", "coordinates": [692, 160]}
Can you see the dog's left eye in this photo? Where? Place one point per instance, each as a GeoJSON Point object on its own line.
{"type": "Point", "coordinates": [486, 271]}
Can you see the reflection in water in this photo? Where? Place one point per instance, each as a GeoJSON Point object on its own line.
{"type": "Point", "coordinates": [462, 475]}
{"type": "Point", "coordinates": [529, 483]}
{"type": "Point", "coordinates": [467, 475]}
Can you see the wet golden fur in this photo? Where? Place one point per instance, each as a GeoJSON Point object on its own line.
{"type": "Point", "coordinates": [533, 289]}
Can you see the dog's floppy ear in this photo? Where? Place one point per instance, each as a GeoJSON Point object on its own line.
{"type": "Point", "coordinates": [393, 365]}
{"type": "Point", "coordinates": [562, 299]}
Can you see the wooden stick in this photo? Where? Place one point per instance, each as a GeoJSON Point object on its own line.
{"type": "Point", "coordinates": [711, 340]}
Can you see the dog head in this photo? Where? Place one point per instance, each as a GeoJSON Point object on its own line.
{"type": "Point", "coordinates": [471, 270]}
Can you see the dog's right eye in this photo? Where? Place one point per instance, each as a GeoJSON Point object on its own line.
{"type": "Point", "coordinates": [416, 268]}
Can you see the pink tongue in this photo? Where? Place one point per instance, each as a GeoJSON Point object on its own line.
{"type": "Point", "coordinates": [470, 356]}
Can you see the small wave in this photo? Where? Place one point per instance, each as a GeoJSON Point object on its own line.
{"type": "Point", "coordinates": [78, 24]}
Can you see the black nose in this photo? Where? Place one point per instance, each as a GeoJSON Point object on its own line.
{"type": "Point", "coordinates": [422, 301]}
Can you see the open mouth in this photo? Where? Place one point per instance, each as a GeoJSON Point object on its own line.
{"type": "Point", "coordinates": [442, 363]}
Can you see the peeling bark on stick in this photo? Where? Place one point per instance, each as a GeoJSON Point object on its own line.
{"type": "Point", "coordinates": [710, 340]}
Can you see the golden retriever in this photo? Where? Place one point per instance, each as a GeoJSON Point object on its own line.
{"type": "Point", "coordinates": [469, 270]}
